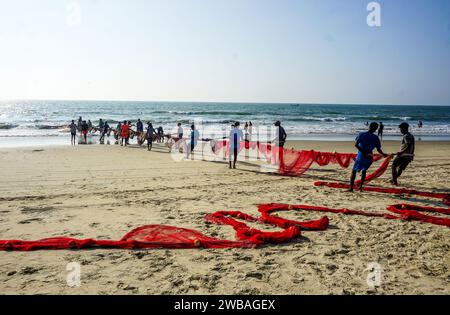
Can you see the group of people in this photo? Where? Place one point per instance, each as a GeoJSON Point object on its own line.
{"type": "Point", "coordinates": [381, 128]}
{"type": "Point", "coordinates": [122, 133]}
{"type": "Point", "coordinates": [366, 142]}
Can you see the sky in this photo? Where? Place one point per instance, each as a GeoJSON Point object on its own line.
{"type": "Point", "coordinates": [301, 51]}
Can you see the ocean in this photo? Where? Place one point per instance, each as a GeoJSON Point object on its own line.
{"type": "Point", "coordinates": [29, 123]}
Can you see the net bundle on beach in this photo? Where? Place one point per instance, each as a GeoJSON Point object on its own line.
{"type": "Point", "coordinates": [163, 236]}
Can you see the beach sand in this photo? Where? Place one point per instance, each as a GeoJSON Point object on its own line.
{"type": "Point", "coordinates": [105, 191]}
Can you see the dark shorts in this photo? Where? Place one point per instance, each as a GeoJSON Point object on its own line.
{"type": "Point", "coordinates": [402, 162]}
{"type": "Point", "coordinates": [73, 134]}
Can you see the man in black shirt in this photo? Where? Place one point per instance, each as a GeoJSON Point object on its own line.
{"type": "Point", "coordinates": [380, 131]}
{"type": "Point", "coordinates": [405, 155]}
{"type": "Point", "coordinates": [281, 137]}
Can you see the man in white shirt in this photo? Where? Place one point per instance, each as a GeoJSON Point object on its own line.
{"type": "Point", "coordinates": [180, 131]}
{"type": "Point", "coordinates": [236, 136]}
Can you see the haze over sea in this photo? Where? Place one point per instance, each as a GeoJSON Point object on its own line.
{"type": "Point", "coordinates": [30, 123]}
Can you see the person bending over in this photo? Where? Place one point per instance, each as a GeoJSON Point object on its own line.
{"type": "Point", "coordinates": [406, 154]}
{"type": "Point", "coordinates": [366, 142]}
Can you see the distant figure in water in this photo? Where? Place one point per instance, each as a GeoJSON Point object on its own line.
{"type": "Point", "coordinates": [101, 126]}
{"type": "Point", "coordinates": [406, 154]}
{"type": "Point", "coordinates": [246, 133]}
{"type": "Point", "coordinates": [380, 130]}
{"type": "Point", "coordinates": [180, 132]}
{"type": "Point", "coordinates": [118, 132]}
{"type": "Point", "coordinates": [129, 133]}
{"type": "Point", "coordinates": [366, 142]}
{"type": "Point", "coordinates": [89, 125]}
{"type": "Point", "coordinates": [80, 122]}
{"type": "Point", "coordinates": [104, 130]}
{"type": "Point", "coordinates": [125, 132]}
{"type": "Point", "coordinates": [160, 134]}
{"type": "Point", "coordinates": [84, 130]}
{"type": "Point", "coordinates": [140, 132]}
{"type": "Point", "coordinates": [73, 132]}
{"type": "Point", "coordinates": [235, 138]}
{"type": "Point", "coordinates": [150, 133]}
{"type": "Point", "coordinates": [420, 124]}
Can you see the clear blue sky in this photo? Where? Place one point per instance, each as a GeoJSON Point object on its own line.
{"type": "Point", "coordinates": [226, 50]}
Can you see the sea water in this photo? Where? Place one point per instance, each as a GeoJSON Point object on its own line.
{"type": "Point", "coordinates": [28, 123]}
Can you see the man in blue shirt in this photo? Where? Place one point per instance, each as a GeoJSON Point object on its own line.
{"type": "Point", "coordinates": [366, 142]}
{"type": "Point", "coordinates": [195, 135]}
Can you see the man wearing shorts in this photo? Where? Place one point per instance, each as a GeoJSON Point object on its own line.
{"type": "Point", "coordinates": [405, 155]}
{"type": "Point", "coordinates": [366, 142]}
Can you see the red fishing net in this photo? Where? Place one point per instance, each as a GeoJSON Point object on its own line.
{"type": "Point", "coordinates": [292, 163]}
{"type": "Point", "coordinates": [162, 236]}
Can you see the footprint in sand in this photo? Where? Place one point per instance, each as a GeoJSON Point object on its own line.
{"type": "Point", "coordinates": [28, 221]}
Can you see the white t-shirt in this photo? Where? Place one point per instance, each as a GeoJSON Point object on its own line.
{"type": "Point", "coordinates": [239, 136]}
{"type": "Point", "coordinates": [180, 130]}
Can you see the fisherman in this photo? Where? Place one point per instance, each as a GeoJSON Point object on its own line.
{"type": "Point", "coordinates": [366, 142]}
{"type": "Point", "coordinates": [150, 133]}
{"type": "Point", "coordinates": [406, 154]}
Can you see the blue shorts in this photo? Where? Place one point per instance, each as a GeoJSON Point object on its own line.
{"type": "Point", "coordinates": [362, 163]}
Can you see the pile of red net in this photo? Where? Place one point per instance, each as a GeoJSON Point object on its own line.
{"type": "Point", "coordinates": [162, 236]}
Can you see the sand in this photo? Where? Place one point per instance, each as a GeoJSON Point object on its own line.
{"type": "Point", "coordinates": [105, 191]}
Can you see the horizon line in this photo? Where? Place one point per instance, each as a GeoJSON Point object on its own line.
{"type": "Point", "coordinates": [218, 102]}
